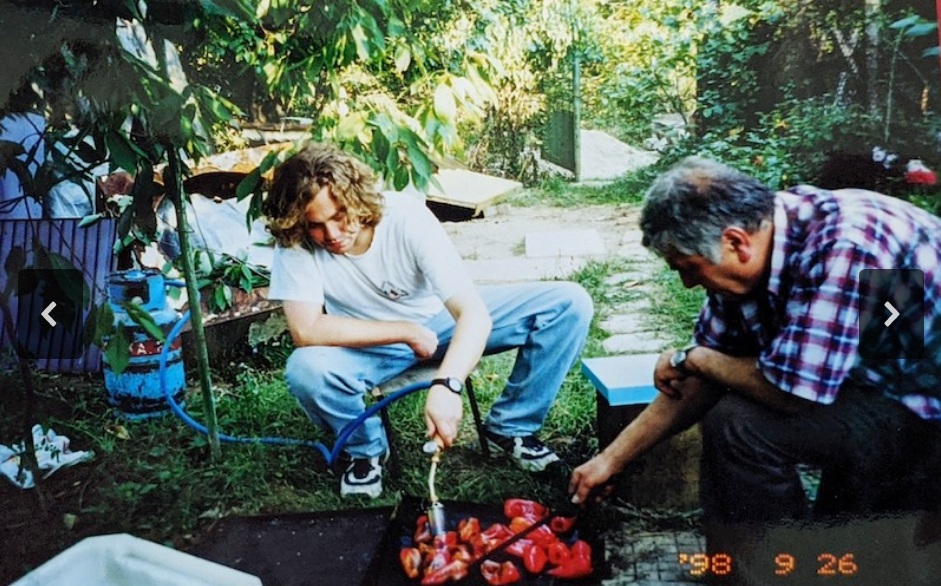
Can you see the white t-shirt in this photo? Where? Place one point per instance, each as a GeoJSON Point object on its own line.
{"type": "Point", "coordinates": [410, 269]}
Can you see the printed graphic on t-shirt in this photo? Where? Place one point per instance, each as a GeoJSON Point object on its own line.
{"type": "Point", "coordinates": [392, 292]}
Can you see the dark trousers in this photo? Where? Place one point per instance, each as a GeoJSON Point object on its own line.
{"type": "Point", "coordinates": [875, 454]}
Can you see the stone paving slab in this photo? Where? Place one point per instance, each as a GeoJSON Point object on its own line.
{"type": "Point", "coordinates": [517, 269]}
{"type": "Point", "coordinates": [564, 243]}
{"type": "Point", "coordinates": [652, 557]}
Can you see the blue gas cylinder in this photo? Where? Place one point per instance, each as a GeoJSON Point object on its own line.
{"type": "Point", "coordinates": [136, 392]}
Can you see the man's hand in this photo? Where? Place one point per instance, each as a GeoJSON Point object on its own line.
{"type": "Point", "coordinates": [667, 379]}
{"type": "Point", "coordinates": [422, 341]}
{"type": "Point", "coordinates": [593, 478]}
{"type": "Point", "coordinates": [443, 411]}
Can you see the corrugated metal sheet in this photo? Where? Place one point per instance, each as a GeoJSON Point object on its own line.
{"type": "Point", "coordinates": [89, 248]}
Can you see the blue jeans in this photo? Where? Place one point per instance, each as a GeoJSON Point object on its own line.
{"type": "Point", "coordinates": [547, 321]}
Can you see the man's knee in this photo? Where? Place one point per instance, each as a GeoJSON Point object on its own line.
{"type": "Point", "coordinates": [731, 424]}
{"type": "Point", "coordinates": [307, 368]}
{"type": "Point", "coordinates": [576, 301]}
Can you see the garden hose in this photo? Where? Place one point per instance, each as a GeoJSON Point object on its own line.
{"type": "Point", "coordinates": [330, 455]}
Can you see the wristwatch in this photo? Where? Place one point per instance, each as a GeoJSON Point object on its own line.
{"type": "Point", "coordinates": [453, 384]}
{"type": "Point", "coordinates": [678, 360]}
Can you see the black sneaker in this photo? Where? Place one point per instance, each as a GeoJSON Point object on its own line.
{"type": "Point", "coordinates": [528, 452]}
{"type": "Point", "coordinates": [362, 476]}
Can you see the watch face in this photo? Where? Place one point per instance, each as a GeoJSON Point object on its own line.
{"type": "Point", "coordinates": [454, 384]}
{"type": "Point", "coordinates": [678, 358]}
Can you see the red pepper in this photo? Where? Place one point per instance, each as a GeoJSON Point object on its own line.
{"type": "Point", "coordinates": [542, 536]}
{"type": "Point", "coordinates": [581, 549]}
{"type": "Point", "coordinates": [509, 573]}
{"type": "Point", "coordinates": [578, 564]}
{"type": "Point", "coordinates": [453, 571]}
{"type": "Point", "coordinates": [520, 524]}
{"type": "Point", "coordinates": [490, 570]}
{"type": "Point", "coordinates": [445, 540]}
{"type": "Point", "coordinates": [497, 531]}
{"type": "Point", "coordinates": [462, 552]}
{"type": "Point", "coordinates": [571, 569]}
{"type": "Point", "coordinates": [558, 553]}
{"type": "Point", "coordinates": [534, 558]}
{"type": "Point", "coordinates": [518, 547]}
{"type": "Point", "coordinates": [411, 561]}
{"type": "Point", "coordinates": [422, 530]}
{"type": "Point", "coordinates": [524, 508]}
{"type": "Point", "coordinates": [562, 525]}
{"type": "Point", "coordinates": [497, 574]}
{"type": "Point", "coordinates": [441, 559]}
{"type": "Point", "coordinates": [468, 528]}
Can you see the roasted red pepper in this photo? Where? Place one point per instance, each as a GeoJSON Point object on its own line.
{"type": "Point", "coordinates": [542, 536]}
{"type": "Point", "coordinates": [452, 572]}
{"type": "Point", "coordinates": [411, 561]}
{"type": "Point", "coordinates": [490, 570]}
{"type": "Point", "coordinates": [498, 532]}
{"type": "Point", "coordinates": [534, 558]}
{"type": "Point", "coordinates": [441, 559]}
{"type": "Point", "coordinates": [578, 563]}
{"type": "Point", "coordinates": [519, 524]}
{"type": "Point", "coordinates": [562, 525]}
{"type": "Point", "coordinates": [497, 574]}
{"type": "Point", "coordinates": [518, 547]}
{"type": "Point", "coordinates": [524, 508]}
{"type": "Point", "coordinates": [468, 528]}
{"type": "Point", "coordinates": [422, 530]}
{"type": "Point", "coordinates": [462, 552]}
{"type": "Point", "coordinates": [558, 553]}
{"type": "Point", "coordinates": [509, 573]}
{"type": "Point", "coordinates": [445, 540]}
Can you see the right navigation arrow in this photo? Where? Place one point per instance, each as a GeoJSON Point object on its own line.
{"type": "Point", "coordinates": [892, 317]}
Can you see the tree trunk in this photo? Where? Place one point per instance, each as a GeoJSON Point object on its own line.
{"type": "Point", "coordinates": [174, 187]}
{"type": "Point", "coordinates": [873, 10]}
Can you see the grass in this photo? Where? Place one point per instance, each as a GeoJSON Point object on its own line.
{"type": "Point", "coordinates": [154, 478]}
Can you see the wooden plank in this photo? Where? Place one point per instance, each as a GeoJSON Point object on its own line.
{"type": "Point", "coordinates": [469, 189]}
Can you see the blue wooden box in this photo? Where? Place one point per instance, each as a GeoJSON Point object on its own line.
{"type": "Point", "coordinates": [623, 380]}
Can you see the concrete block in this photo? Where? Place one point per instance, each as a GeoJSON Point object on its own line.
{"type": "Point", "coordinates": [564, 243]}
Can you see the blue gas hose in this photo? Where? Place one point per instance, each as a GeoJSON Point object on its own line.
{"type": "Point", "coordinates": [330, 455]}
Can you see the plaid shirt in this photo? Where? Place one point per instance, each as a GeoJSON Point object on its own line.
{"type": "Point", "coordinates": [804, 324]}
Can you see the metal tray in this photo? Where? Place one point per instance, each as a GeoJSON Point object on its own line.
{"type": "Point", "coordinates": [386, 570]}
{"type": "Point", "coordinates": [305, 549]}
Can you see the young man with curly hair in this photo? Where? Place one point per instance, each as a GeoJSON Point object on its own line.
{"type": "Point", "coordinates": [372, 285]}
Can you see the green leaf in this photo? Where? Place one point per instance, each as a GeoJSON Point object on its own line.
{"type": "Point", "coordinates": [121, 152]}
{"type": "Point", "coordinates": [15, 260]}
{"type": "Point", "coordinates": [905, 22]}
{"type": "Point", "coordinates": [445, 108]}
{"type": "Point", "coordinates": [403, 58]}
{"type": "Point", "coordinates": [360, 41]}
{"type": "Point", "coordinates": [90, 219]}
{"type": "Point", "coordinates": [400, 179]}
{"type": "Point", "coordinates": [118, 351]}
{"type": "Point", "coordinates": [922, 29]}
{"type": "Point", "coordinates": [248, 184]}
{"type": "Point", "coordinates": [350, 126]}
{"type": "Point", "coordinates": [142, 318]}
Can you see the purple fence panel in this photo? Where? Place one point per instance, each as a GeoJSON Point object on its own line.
{"type": "Point", "coordinates": [89, 248]}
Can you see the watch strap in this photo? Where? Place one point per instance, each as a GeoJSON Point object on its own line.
{"type": "Point", "coordinates": [452, 384]}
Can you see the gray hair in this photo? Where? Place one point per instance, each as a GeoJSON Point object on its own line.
{"type": "Point", "coordinates": [688, 207]}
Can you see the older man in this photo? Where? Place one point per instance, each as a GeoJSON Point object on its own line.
{"type": "Point", "coordinates": [775, 371]}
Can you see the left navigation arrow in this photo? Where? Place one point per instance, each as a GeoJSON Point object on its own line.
{"type": "Point", "coordinates": [46, 312]}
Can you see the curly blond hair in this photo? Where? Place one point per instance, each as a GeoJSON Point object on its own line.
{"type": "Point", "coordinates": [297, 180]}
